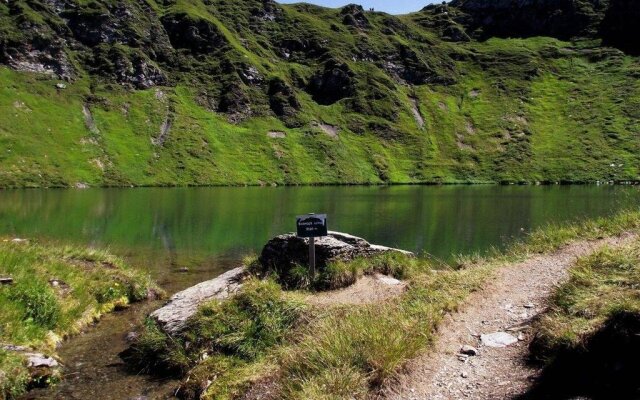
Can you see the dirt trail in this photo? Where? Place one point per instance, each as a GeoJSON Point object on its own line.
{"type": "Point", "coordinates": [367, 290]}
{"type": "Point", "coordinates": [508, 304]}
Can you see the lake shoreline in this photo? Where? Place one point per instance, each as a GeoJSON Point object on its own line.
{"type": "Point", "coordinates": [320, 184]}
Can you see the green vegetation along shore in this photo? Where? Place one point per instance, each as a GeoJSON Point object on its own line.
{"type": "Point", "coordinates": [270, 340]}
{"type": "Point", "coordinates": [249, 92]}
{"type": "Point", "coordinates": [50, 293]}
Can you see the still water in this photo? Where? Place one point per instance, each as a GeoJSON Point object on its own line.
{"type": "Point", "coordinates": [209, 230]}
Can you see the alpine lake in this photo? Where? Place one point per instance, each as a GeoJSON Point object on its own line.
{"type": "Point", "coordinates": [182, 236]}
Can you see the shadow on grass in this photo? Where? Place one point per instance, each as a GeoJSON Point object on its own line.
{"type": "Point", "coordinates": [606, 367]}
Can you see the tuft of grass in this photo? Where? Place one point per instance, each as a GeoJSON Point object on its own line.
{"type": "Point", "coordinates": [552, 237]}
{"type": "Point", "coordinates": [40, 304]}
{"type": "Point", "coordinates": [339, 273]}
{"type": "Point", "coordinates": [253, 321]}
{"type": "Point", "coordinates": [14, 377]}
{"type": "Point", "coordinates": [601, 286]}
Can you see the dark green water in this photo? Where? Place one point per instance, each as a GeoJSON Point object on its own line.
{"type": "Point", "coordinates": [209, 230]}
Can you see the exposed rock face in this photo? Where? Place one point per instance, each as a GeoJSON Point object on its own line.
{"type": "Point", "coordinates": [562, 19]}
{"type": "Point", "coordinates": [282, 98]}
{"type": "Point", "coordinates": [620, 27]}
{"type": "Point", "coordinates": [332, 84]}
{"type": "Point", "coordinates": [199, 36]}
{"type": "Point", "coordinates": [285, 252]}
{"type": "Point", "coordinates": [182, 305]}
{"type": "Point", "coordinates": [353, 15]}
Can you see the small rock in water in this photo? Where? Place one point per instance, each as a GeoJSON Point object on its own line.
{"type": "Point", "coordinates": [469, 350]}
{"type": "Point", "coordinates": [498, 339]}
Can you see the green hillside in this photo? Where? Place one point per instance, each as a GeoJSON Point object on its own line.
{"type": "Point", "coordinates": [201, 92]}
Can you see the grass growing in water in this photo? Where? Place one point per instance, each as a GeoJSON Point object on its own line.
{"type": "Point", "coordinates": [56, 292]}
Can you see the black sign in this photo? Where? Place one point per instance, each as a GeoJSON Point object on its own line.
{"type": "Point", "coordinates": [313, 225]}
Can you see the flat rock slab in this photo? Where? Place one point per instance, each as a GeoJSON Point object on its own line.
{"type": "Point", "coordinates": [388, 280]}
{"type": "Point", "coordinates": [498, 339]}
{"type": "Point", "coordinates": [183, 305]}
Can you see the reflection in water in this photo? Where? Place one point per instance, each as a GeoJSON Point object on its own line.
{"type": "Point", "coordinates": [162, 229]}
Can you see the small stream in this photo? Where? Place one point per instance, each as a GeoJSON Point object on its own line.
{"type": "Point", "coordinates": [209, 230]}
{"type": "Point", "coordinates": [93, 370]}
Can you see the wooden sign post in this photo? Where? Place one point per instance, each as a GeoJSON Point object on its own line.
{"type": "Point", "coordinates": [312, 226]}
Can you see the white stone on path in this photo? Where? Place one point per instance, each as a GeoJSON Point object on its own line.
{"type": "Point", "coordinates": [498, 339]}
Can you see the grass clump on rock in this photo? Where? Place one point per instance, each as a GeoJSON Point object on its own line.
{"type": "Point", "coordinates": [223, 341]}
{"type": "Point", "coordinates": [54, 292]}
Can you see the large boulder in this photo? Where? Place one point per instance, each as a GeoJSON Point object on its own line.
{"type": "Point", "coordinates": [284, 253]}
{"type": "Point", "coordinates": [173, 316]}
{"type": "Point", "coordinates": [281, 253]}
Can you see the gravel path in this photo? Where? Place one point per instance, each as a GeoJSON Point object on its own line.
{"type": "Point", "coordinates": [508, 304]}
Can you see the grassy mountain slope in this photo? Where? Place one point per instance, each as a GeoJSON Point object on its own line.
{"type": "Point", "coordinates": [191, 92]}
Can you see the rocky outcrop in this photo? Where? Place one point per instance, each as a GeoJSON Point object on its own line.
{"type": "Point", "coordinates": [620, 27]}
{"type": "Point", "coordinates": [563, 19]}
{"type": "Point", "coordinates": [197, 35]}
{"type": "Point", "coordinates": [284, 253]}
{"type": "Point", "coordinates": [182, 305]}
{"type": "Point", "coordinates": [353, 15]}
{"type": "Point", "coordinates": [282, 98]}
{"type": "Point", "coordinates": [335, 82]}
